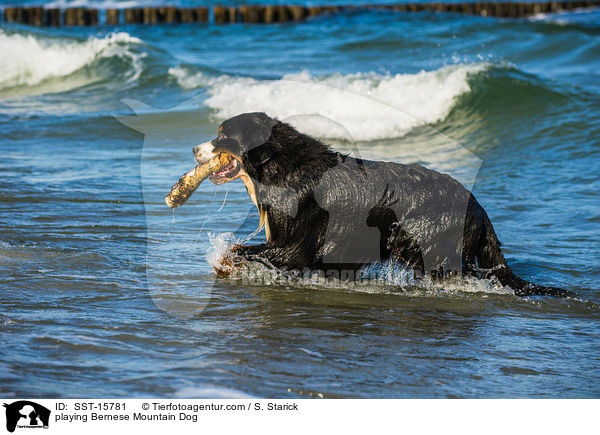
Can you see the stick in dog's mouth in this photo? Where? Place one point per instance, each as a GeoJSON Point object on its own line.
{"type": "Point", "coordinates": [227, 173]}
{"type": "Point", "coordinates": [219, 168]}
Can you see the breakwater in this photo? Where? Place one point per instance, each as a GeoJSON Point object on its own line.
{"type": "Point", "coordinates": [268, 14]}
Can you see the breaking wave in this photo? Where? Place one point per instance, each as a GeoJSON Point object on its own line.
{"type": "Point", "coordinates": [370, 105]}
{"type": "Point", "coordinates": [30, 59]}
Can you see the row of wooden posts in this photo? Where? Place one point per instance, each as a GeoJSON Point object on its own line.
{"type": "Point", "coordinates": [40, 16]}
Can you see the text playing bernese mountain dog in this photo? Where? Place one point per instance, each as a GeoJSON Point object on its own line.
{"type": "Point", "coordinates": [325, 211]}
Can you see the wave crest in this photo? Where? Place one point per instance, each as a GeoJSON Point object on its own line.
{"type": "Point", "coordinates": [371, 106]}
{"type": "Point", "coordinates": [28, 60]}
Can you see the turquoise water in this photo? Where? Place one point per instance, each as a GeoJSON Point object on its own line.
{"type": "Point", "coordinates": [104, 292]}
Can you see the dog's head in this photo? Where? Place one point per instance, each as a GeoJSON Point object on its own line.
{"type": "Point", "coordinates": [269, 156]}
{"type": "Point", "coordinates": [246, 138]}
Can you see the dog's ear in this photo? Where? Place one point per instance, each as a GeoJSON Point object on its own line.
{"type": "Point", "coordinates": [261, 155]}
{"type": "Point", "coordinates": [260, 149]}
{"type": "Point", "coordinates": [258, 128]}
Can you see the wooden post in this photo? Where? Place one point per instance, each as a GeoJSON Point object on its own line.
{"type": "Point", "coordinates": [82, 17]}
{"type": "Point", "coordinates": [150, 15]}
{"type": "Point", "coordinates": [90, 17]}
{"type": "Point", "coordinates": [187, 15]}
{"type": "Point", "coordinates": [497, 10]}
{"type": "Point", "coordinates": [233, 14]}
{"type": "Point", "coordinates": [74, 15]}
{"type": "Point", "coordinates": [538, 8]}
{"type": "Point", "coordinates": [133, 16]}
{"type": "Point", "coordinates": [13, 15]}
{"type": "Point", "coordinates": [466, 8]}
{"type": "Point", "coordinates": [484, 10]}
{"type": "Point", "coordinates": [173, 15]}
{"type": "Point", "coordinates": [432, 6]}
{"type": "Point", "coordinates": [138, 15]}
{"type": "Point", "coordinates": [331, 9]}
{"type": "Point", "coordinates": [282, 14]}
{"type": "Point", "coordinates": [113, 17]}
{"type": "Point", "coordinates": [168, 14]}
{"type": "Point", "coordinates": [313, 11]}
{"type": "Point", "coordinates": [260, 12]}
{"type": "Point", "coordinates": [201, 14]}
{"type": "Point", "coordinates": [223, 14]}
{"type": "Point", "coordinates": [71, 17]}
{"type": "Point", "coordinates": [161, 14]}
{"type": "Point", "coordinates": [252, 14]}
{"type": "Point", "coordinates": [297, 12]}
{"type": "Point", "coordinates": [520, 9]}
{"type": "Point", "coordinates": [219, 14]}
{"type": "Point", "coordinates": [245, 13]}
{"type": "Point", "coordinates": [34, 16]}
{"type": "Point", "coordinates": [269, 14]}
{"type": "Point", "coordinates": [52, 17]}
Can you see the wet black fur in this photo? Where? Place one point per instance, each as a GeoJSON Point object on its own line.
{"type": "Point", "coordinates": [278, 157]}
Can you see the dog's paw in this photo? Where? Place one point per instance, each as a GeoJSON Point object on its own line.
{"type": "Point", "coordinates": [228, 263]}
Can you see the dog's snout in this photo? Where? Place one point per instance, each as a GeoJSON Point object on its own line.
{"type": "Point", "coordinates": [203, 152]}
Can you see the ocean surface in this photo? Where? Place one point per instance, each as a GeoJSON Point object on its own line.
{"type": "Point", "coordinates": [105, 292]}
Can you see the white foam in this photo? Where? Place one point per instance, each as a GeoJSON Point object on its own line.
{"type": "Point", "coordinates": [27, 60]}
{"type": "Point", "coordinates": [220, 248]}
{"type": "Point", "coordinates": [369, 105]}
{"type": "Point", "coordinates": [574, 16]}
{"type": "Point", "coordinates": [210, 392]}
{"type": "Point", "coordinates": [188, 79]}
{"type": "Point", "coordinates": [387, 278]}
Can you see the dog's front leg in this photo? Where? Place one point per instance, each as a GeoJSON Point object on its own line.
{"type": "Point", "coordinates": [238, 255]}
{"type": "Point", "coordinates": [252, 252]}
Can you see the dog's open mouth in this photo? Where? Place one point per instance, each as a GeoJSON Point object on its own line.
{"type": "Point", "coordinates": [226, 173]}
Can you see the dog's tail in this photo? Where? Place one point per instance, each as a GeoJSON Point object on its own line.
{"type": "Point", "coordinates": [525, 288]}
{"type": "Point", "coordinates": [492, 260]}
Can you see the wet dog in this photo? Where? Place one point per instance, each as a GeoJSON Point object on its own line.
{"type": "Point", "coordinates": [325, 211]}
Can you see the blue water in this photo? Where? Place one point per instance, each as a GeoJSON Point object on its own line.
{"type": "Point", "coordinates": [104, 292]}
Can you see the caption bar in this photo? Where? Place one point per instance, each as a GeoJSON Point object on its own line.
{"type": "Point", "coordinates": [240, 415]}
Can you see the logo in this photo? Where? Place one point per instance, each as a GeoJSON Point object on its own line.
{"type": "Point", "coordinates": [26, 414]}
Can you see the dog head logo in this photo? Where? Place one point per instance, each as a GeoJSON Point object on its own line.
{"type": "Point", "coordinates": [26, 414]}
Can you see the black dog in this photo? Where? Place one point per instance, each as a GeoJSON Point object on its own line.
{"type": "Point", "coordinates": [329, 212]}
